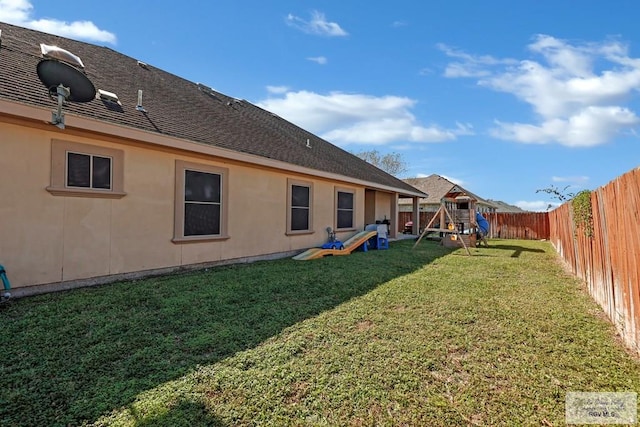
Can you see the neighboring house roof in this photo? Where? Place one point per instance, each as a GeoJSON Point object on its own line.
{"type": "Point", "coordinates": [175, 107]}
{"type": "Point", "coordinates": [437, 187]}
{"type": "Point", "coordinates": [505, 207]}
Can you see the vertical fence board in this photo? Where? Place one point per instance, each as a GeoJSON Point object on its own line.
{"type": "Point", "coordinates": [608, 260]}
{"type": "Point", "coordinates": [404, 217]}
{"type": "Point", "coordinates": [520, 225]}
{"type": "Point", "coordinates": [503, 225]}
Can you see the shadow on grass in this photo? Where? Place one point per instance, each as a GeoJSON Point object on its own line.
{"type": "Point", "coordinates": [69, 358]}
{"type": "Point", "coordinates": [185, 413]}
{"type": "Point", "coordinates": [517, 250]}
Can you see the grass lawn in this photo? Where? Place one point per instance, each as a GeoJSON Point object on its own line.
{"type": "Point", "coordinates": [424, 337]}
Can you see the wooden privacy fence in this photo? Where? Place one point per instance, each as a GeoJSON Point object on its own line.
{"type": "Point", "coordinates": [503, 225]}
{"type": "Point", "coordinates": [404, 217]}
{"type": "Point", "coordinates": [607, 257]}
{"type": "Point", "coordinates": [518, 225]}
{"type": "Point", "coordinates": [609, 260]}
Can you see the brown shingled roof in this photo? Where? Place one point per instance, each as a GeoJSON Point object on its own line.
{"type": "Point", "coordinates": [437, 187]}
{"type": "Point", "coordinates": [174, 107]}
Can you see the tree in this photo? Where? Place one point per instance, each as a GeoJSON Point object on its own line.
{"type": "Point", "coordinates": [556, 193]}
{"type": "Point", "coordinates": [581, 209]}
{"type": "Point", "coordinates": [392, 163]}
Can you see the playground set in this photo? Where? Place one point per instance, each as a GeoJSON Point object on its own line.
{"type": "Point", "coordinates": [457, 222]}
{"type": "Point", "coordinates": [374, 236]}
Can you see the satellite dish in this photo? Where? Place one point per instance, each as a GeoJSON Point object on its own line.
{"type": "Point", "coordinates": [55, 73]}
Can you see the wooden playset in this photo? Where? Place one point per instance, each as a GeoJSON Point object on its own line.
{"type": "Point", "coordinates": [455, 221]}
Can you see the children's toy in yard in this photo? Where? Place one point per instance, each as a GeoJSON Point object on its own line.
{"type": "Point", "coordinates": [483, 229]}
{"type": "Point", "coordinates": [7, 286]}
{"type": "Point", "coordinates": [336, 247]}
{"type": "Point", "coordinates": [332, 241]}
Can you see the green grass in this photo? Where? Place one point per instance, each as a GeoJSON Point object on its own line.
{"type": "Point", "coordinates": [398, 337]}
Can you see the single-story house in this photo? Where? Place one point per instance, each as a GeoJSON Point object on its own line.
{"type": "Point", "coordinates": [436, 188]}
{"type": "Point", "coordinates": [154, 173]}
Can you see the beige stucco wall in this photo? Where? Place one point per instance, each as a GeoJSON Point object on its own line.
{"type": "Point", "coordinates": [383, 206]}
{"type": "Point", "coordinates": [48, 238]}
{"type": "Point", "coordinates": [30, 222]}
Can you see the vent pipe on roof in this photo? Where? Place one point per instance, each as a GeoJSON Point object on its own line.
{"type": "Point", "coordinates": [308, 143]}
{"type": "Point", "coordinates": [139, 107]}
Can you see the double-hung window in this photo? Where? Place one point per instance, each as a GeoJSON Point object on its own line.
{"type": "Point", "coordinates": [84, 170]}
{"type": "Point", "coordinates": [345, 200]}
{"type": "Point", "coordinates": [299, 207]}
{"type": "Point", "coordinates": [200, 212]}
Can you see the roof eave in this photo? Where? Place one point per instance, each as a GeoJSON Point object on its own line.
{"type": "Point", "coordinates": [75, 123]}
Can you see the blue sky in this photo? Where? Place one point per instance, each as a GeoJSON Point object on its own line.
{"type": "Point", "coordinates": [503, 97]}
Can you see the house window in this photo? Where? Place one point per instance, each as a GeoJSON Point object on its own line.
{"type": "Point", "coordinates": [88, 171]}
{"type": "Point", "coordinates": [202, 203]}
{"type": "Point", "coordinates": [345, 209]}
{"type": "Point", "coordinates": [200, 212]}
{"type": "Point", "coordinates": [84, 170]}
{"type": "Point", "coordinates": [299, 207]}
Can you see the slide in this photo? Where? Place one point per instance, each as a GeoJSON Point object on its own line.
{"type": "Point", "coordinates": [350, 245]}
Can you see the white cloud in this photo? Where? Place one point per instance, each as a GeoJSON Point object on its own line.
{"type": "Point", "coordinates": [14, 11]}
{"type": "Point", "coordinates": [359, 119]}
{"type": "Point", "coordinates": [317, 25]}
{"type": "Point", "coordinates": [18, 12]}
{"type": "Point", "coordinates": [536, 206]}
{"type": "Point", "coordinates": [589, 127]}
{"type": "Point", "coordinates": [318, 59]}
{"type": "Point", "coordinates": [277, 89]}
{"type": "Point", "coordinates": [456, 69]}
{"type": "Point", "coordinates": [454, 180]}
{"type": "Point", "coordinates": [559, 92]}
{"type": "Point", "coordinates": [576, 105]}
{"type": "Point", "coordinates": [468, 65]}
{"type": "Point", "coordinates": [464, 129]}
{"type": "Point", "coordinates": [575, 60]}
{"type": "Point", "coordinates": [389, 129]}
{"type": "Point", "coordinates": [571, 179]}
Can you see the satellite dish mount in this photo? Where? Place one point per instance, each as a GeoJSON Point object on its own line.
{"type": "Point", "coordinates": [63, 74]}
{"type": "Point", "coordinates": [57, 117]}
